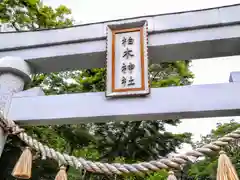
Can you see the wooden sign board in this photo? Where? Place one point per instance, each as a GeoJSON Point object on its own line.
{"type": "Point", "coordinates": [127, 60]}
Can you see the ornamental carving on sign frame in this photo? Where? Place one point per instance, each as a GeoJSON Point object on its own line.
{"type": "Point", "coordinates": [127, 60]}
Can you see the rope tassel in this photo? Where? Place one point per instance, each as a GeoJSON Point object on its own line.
{"type": "Point", "coordinates": [62, 174]}
{"type": "Point", "coordinates": [171, 176]}
{"type": "Point", "coordinates": [226, 170]}
{"type": "Point", "coordinates": [23, 168]}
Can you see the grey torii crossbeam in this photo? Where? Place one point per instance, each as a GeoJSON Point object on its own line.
{"type": "Point", "coordinates": [188, 35]}
{"type": "Point", "coordinates": [212, 100]}
{"type": "Point", "coordinates": [179, 36]}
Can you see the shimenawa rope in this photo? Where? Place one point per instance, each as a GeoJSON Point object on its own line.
{"type": "Point", "coordinates": [175, 162]}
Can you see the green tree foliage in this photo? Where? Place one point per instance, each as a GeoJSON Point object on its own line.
{"type": "Point", "coordinates": [114, 141]}
{"type": "Point", "coordinates": [33, 15]}
{"type": "Point", "coordinates": [207, 169]}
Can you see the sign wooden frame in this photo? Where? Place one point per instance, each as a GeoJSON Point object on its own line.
{"type": "Point", "coordinates": [112, 32]}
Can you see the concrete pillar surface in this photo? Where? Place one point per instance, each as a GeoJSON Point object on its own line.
{"type": "Point", "coordinates": [14, 73]}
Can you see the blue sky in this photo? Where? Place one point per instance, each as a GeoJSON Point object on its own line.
{"type": "Point", "coordinates": [206, 71]}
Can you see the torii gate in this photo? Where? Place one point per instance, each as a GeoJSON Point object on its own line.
{"type": "Point", "coordinates": [186, 35]}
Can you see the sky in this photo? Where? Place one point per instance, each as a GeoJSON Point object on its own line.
{"type": "Point", "coordinates": [206, 71]}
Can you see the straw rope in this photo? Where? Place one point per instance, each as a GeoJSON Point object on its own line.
{"type": "Point", "coordinates": [175, 162]}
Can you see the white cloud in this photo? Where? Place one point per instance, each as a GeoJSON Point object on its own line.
{"type": "Point", "coordinates": [101, 10]}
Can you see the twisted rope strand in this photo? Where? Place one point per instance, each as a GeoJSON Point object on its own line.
{"type": "Point", "coordinates": [175, 162]}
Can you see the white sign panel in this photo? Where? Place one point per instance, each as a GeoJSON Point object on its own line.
{"type": "Point", "coordinates": [127, 62]}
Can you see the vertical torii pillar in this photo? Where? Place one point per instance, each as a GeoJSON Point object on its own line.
{"type": "Point", "coordinates": [14, 73]}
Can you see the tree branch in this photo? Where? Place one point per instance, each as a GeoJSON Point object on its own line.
{"type": "Point", "coordinates": [14, 25]}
